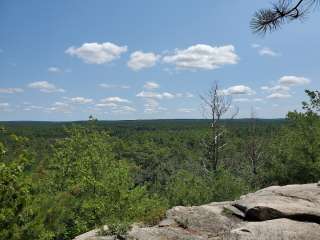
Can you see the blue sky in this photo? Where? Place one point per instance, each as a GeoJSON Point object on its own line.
{"type": "Point", "coordinates": [65, 60]}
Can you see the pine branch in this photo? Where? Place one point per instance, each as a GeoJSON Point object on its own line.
{"type": "Point", "coordinates": [268, 20]}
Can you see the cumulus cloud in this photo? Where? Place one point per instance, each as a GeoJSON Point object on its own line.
{"type": "Point", "coordinates": [283, 88]}
{"type": "Point", "coordinates": [186, 110]}
{"type": "Point", "coordinates": [123, 109]}
{"type": "Point", "coordinates": [45, 86]}
{"type": "Point", "coordinates": [168, 95]}
{"type": "Point", "coordinates": [61, 104]}
{"type": "Point", "coordinates": [151, 85]}
{"type": "Point", "coordinates": [139, 60]}
{"type": "Point", "coordinates": [203, 56]}
{"type": "Point", "coordinates": [238, 90]}
{"type": "Point", "coordinates": [96, 53]}
{"type": "Point", "coordinates": [114, 100]}
{"type": "Point", "coordinates": [188, 95]}
{"type": "Point", "coordinates": [3, 105]}
{"type": "Point", "coordinates": [54, 69]}
{"type": "Point", "coordinates": [107, 104]}
{"type": "Point", "coordinates": [60, 107]}
{"type": "Point", "coordinates": [80, 100]}
{"type": "Point", "coordinates": [293, 81]}
{"type": "Point", "coordinates": [241, 100]}
{"type": "Point", "coordinates": [279, 95]}
{"type": "Point", "coordinates": [265, 51]}
{"type": "Point", "coordinates": [248, 100]}
{"type": "Point", "coordinates": [152, 106]}
{"type": "Point", "coordinates": [32, 107]}
{"type": "Point", "coordinates": [11, 90]}
{"type": "Point", "coordinates": [164, 95]}
{"type": "Point", "coordinates": [276, 88]}
{"type": "Point", "coordinates": [105, 85]}
{"type": "Point", "coordinates": [115, 104]}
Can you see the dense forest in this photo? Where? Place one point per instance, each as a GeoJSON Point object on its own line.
{"type": "Point", "coordinates": [60, 179]}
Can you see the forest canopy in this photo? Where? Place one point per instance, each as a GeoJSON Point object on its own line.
{"type": "Point", "coordinates": [58, 180]}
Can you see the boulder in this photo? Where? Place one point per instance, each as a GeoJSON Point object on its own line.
{"type": "Point", "coordinates": [297, 202]}
{"type": "Point", "coordinates": [278, 229]}
{"type": "Point", "coordinates": [275, 213]}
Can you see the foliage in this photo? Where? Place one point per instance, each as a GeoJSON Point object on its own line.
{"type": "Point", "coordinates": [187, 188]}
{"type": "Point", "coordinates": [18, 220]}
{"type": "Point", "coordinates": [91, 188]}
{"type": "Point", "coordinates": [281, 12]}
{"type": "Point", "coordinates": [58, 180]}
{"type": "Point", "coordinates": [296, 152]}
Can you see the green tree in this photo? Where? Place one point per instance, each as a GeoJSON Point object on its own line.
{"type": "Point", "coordinates": [297, 150]}
{"type": "Point", "coordinates": [91, 187]}
{"type": "Point", "coordinates": [190, 188]}
{"type": "Point", "coordinates": [19, 218]}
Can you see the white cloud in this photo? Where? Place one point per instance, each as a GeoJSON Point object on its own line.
{"type": "Point", "coordinates": [152, 106]}
{"type": "Point", "coordinates": [139, 60]}
{"type": "Point", "coordinates": [115, 107]}
{"type": "Point", "coordinates": [123, 109]}
{"type": "Point", "coordinates": [203, 56]}
{"type": "Point", "coordinates": [248, 100]}
{"type": "Point", "coordinates": [145, 94]}
{"type": "Point", "coordinates": [4, 105]}
{"type": "Point", "coordinates": [58, 107]}
{"type": "Point", "coordinates": [114, 100]}
{"type": "Point", "coordinates": [54, 69]}
{"type": "Point", "coordinates": [61, 104]}
{"type": "Point", "coordinates": [279, 95]}
{"type": "Point", "coordinates": [11, 90]}
{"type": "Point", "coordinates": [293, 81]}
{"type": "Point", "coordinates": [81, 100]}
{"type": "Point", "coordinates": [283, 89]}
{"type": "Point", "coordinates": [168, 95]}
{"type": "Point", "coordinates": [45, 86]}
{"type": "Point", "coordinates": [241, 100]}
{"type": "Point", "coordinates": [238, 90]}
{"type": "Point", "coordinates": [186, 110]}
{"type": "Point", "coordinates": [151, 85]}
{"type": "Point", "coordinates": [108, 104]}
{"type": "Point", "coordinates": [164, 95]}
{"type": "Point", "coordinates": [188, 95]}
{"type": "Point", "coordinates": [265, 51]}
{"type": "Point", "coordinates": [104, 85]}
{"type": "Point", "coordinates": [32, 107]}
{"type": "Point", "coordinates": [276, 88]}
{"type": "Point", "coordinates": [96, 53]}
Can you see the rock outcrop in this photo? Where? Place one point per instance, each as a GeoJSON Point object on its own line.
{"type": "Point", "coordinates": [276, 213]}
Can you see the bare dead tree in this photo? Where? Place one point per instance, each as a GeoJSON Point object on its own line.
{"type": "Point", "coordinates": [281, 12]}
{"type": "Point", "coordinates": [254, 146]}
{"type": "Point", "coordinates": [215, 105]}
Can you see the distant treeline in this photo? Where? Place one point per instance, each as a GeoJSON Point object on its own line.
{"type": "Point", "coordinates": [60, 179]}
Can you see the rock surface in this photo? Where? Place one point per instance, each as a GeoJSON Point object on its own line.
{"type": "Point", "coordinates": [276, 213]}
